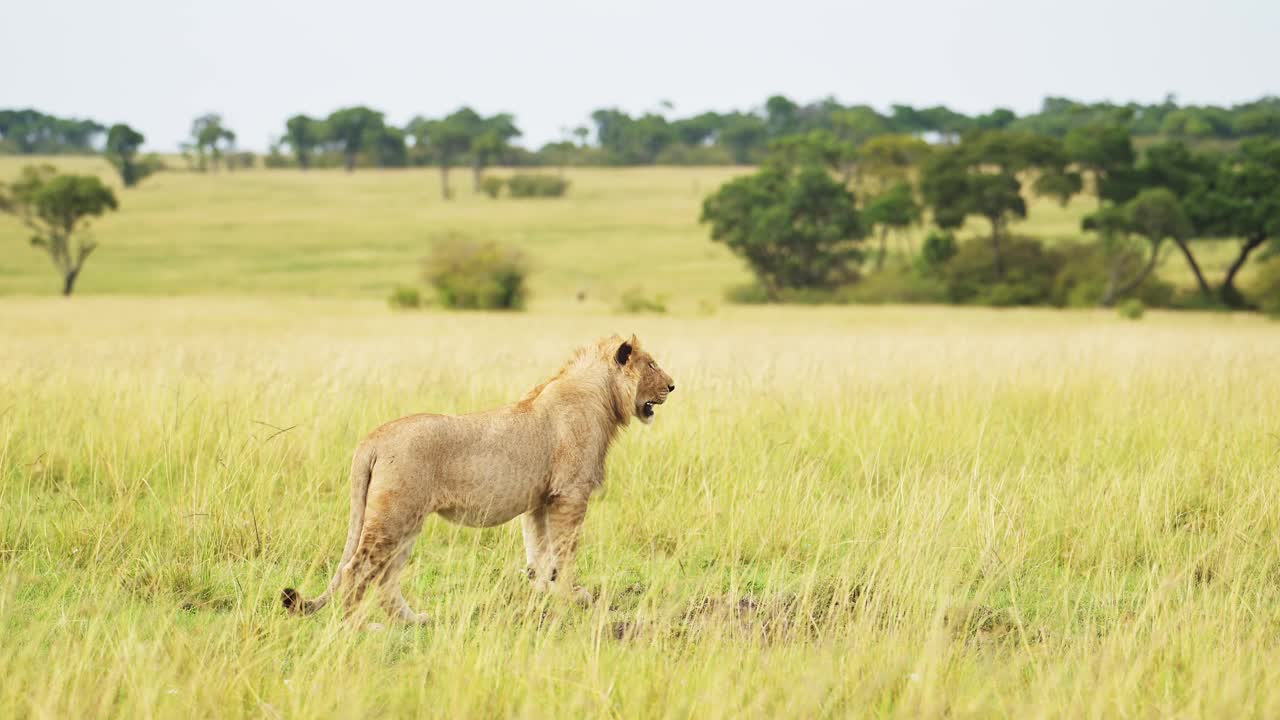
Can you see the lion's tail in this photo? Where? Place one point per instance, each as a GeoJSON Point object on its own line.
{"type": "Point", "coordinates": [361, 474]}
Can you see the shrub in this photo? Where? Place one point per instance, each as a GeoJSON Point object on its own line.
{"type": "Point", "coordinates": [1082, 277]}
{"type": "Point", "coordinates": [1028, 278]}
{"type": "Point", "coordinates": [536, 185]}
{"type": "Point", "coordinates": [751, 293]}
{"type": "Point", "coordinates": [405, 298]}
{"type": "Point", "coordinates": [1265, 287]}
{"type": "Point", "coordinates": [635, 301]}
{"type": "Point", "coordinates": [471, 275]}
{"type": "Point", "coordinates": [492, 186]}
{"type": "Point", "coordinates": [896, 285]}
{"type": "Point", "coordinates": [1132, 309]}
{"type": "Point", "coordinates": [939, 247]}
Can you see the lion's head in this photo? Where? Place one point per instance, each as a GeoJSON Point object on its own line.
{"type": "Point", "coordinates": [638, 370]}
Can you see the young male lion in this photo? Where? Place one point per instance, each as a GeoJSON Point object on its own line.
{"type": "Point", "coordinates": [540, 457]}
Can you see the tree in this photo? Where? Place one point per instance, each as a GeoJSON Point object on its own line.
{"type": "Point", "coordinates": [57, 209]}
{"type": "Point", "coordinates": [304, 135]}
{"type": "Point", "coordinates": [894, 210]}
{"type": "Point", "coordinates": [352, 129]}
{"type": "Point", "coordinates": [1241, 201]}
{"type": "Point", "coordinates": [1155, 215]}
{"type": "Point", "coordinates": [797, 227]}
{"type": "Point", "coordinates": [742, 135]}
{"type": "Point", "coordinates": [211, 138]}
{"type": "Point", "coordinates": [1106, 153]}
{"type": "Point", "coordinates": [980, 176]}
{"type": "Point", "coordinates": [492, 140]}
{"type": "Point", "coordinates": [889, 159]}
{"type": "Point", "coordinates": [123, 143]}
{"type": "Point", "coordinates": [446, 140]}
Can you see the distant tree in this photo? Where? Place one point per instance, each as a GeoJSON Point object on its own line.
{"type": "Point", "coordinates": [816, 147]}
{"type": "Point", "coordinates": [889, 159]}
{"type": "Point", "coordinates": [797, 227]}
{"type": "Point", "coordinates": [980, 176]}
{"type": "Point", "coordinates": [210, 139]}
{"type": "Point", "coordinates": [1154, 215]}
{"type": "Point", "coordinates": [446, 140]}
{"type": "Point", "coordinates": [781, 116]}
{"type": "Point", "coordinates": [582, 133]}
{"type": "Point", "coordinates": [858, 124]}
{"type": "Point", "coordinates": [122, 147]}
{"type": "Point", "coordinates": [304, 135]}
{"type": "Point", "coordinates": [30, 132]}
{"type": "Point", "coordinates": [1106, 153]}
{"type": "Point", "coordinates": [57, 209]}
{"type": "Point", "coordinates": [743, 135]}
{"type": "Point", "coordinates": [492, 139]}
{"type": "Point", "coordinates": [1240, 202]}
{"type": "Point", "coordinates": [354, 129]}
{"type": "Point", "coordinates": [894, 210]}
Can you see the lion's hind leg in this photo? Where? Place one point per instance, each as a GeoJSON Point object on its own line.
{"type": "Point", "coordinates": [392, 597]}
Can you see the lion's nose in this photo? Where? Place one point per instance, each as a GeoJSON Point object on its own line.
{"type": "Point", "coordinates": [671, 388]}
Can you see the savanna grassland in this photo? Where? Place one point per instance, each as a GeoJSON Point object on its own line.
{"type": "Point", "coordinates": [854, 511]}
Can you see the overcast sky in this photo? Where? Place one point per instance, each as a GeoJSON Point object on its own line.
{"type": "Point", "coordinates": [156, 64]}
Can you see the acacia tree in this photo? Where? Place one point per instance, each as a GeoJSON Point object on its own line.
{"type": "Point", "coordinates": [1154, 215]}
{"type": "Point", "coordinates": [210, 138]}
{"type": "Point", "coordinates": [492, 139]}
{"type": "Point", "coordinates": [980, 176]}
{"type": "Point", "coordinates": [1241, 201]}
{"type": "Point", "coordinates": [894, 210]}
{"type": "Point", "coordinates": [123, 143]}
{"type": "Point", "coordinates": [352, 129]}
{"type": "Point", "coordinates": [1105, 151]}
{"type": "Point", "coordinates": [304, 135]}
{"type": "Point", "coordinates": [57, 209]}
{"type": "Point", "coordinates": [797, 227]}
{"type": "Point", "coordinates": [446, 140]}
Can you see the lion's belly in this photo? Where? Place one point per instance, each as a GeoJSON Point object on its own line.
{"type": "Point", "coordinates": [493, 506]}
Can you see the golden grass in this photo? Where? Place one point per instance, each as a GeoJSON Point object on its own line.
{"type": "Point", "coordinates": [844, 511]}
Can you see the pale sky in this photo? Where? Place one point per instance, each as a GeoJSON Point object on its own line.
{"type": "Point", "coordinates": [156, 64]}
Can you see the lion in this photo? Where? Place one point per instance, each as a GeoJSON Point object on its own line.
{"type": "Point", "coordinates": [540, 458]}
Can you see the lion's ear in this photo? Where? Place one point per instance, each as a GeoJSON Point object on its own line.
{"type": "Point", "coordinates": [624, 353]}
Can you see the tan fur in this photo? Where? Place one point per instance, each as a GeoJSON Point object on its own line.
{"type": "Point", "coordinates": [540, 457]}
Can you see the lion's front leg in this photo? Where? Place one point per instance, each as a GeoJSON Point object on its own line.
{"type": "Point", "coordinates": [536, 543]}
{"type": "Point", "coordinates": [564, 515]}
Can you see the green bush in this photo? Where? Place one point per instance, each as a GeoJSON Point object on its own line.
{"type": "Point", "coordinates": [635, 301]}
{"type": "Point", "coordinates": [1265, 288]}
{"type": "Point", "coordinates": [939, 247]}
{"type": "Point", "coordinates": [1131, 309]}
{"type": "Point", "coordinates": [1082, 276]}
{"type": "Point", "coordinates": [1029, 272]}
{"type": "Point", "coordinates": [405, 298]}
{"type": "Point", "coordinates": [896, 285]}
{"type": "Point", "coordinates": [492, 186]}
{"type": "Point", "coordinates": [750, 293]}
{"type": "Point", "coordinates": [524, 185]}
{"type": "Point", "coordinates": [472, 275]}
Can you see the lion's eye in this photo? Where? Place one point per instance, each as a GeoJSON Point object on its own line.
{"type": "Point", "coordinates": [652, 366]}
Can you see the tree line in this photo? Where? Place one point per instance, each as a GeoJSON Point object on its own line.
{"type": "Point", "coordinates": [356, 136]}
{"type": "Point", "coordinates": [803, 221]}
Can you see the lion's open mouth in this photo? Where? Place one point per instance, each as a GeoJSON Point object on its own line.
{"type": "Point", "coordinates": [646, 411]}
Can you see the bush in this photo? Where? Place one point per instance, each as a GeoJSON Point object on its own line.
{"type": "Point", "coordinates": [1028, 278]}
{"type": "Point", "coordinates": [635, 301]}
{"type": "Point", "coordinates": [896, 285]}
{"type": "Point", "coordinates": [1082, 278]}
{"type": "Point", "coordinates": [939, 247]}
{"type": "Point", "coordinates": [405, 298]}
{"type": "Point", "coordinates": [751, 293]}
{"type": "Point", "coordinates": [491, 186]}
{"type": "Point", "coordinates": [1265, 288]}
{"type": "Point", "coordinates": [536, 185]}
{"type": "Point", "coordinates": [1131, 309]}
{"type": "Point", "coordinates": [471, 275]}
